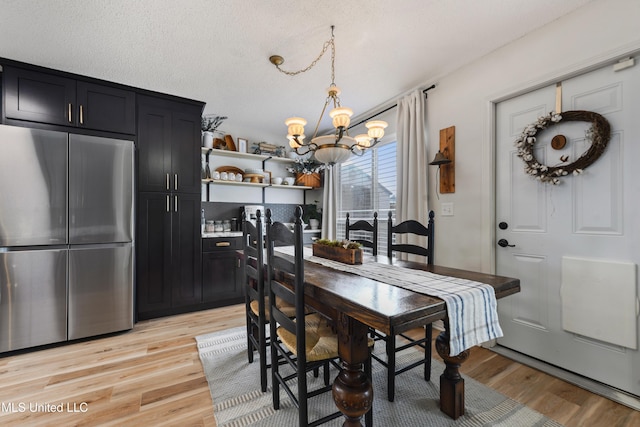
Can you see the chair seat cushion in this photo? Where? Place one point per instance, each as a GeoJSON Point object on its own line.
{"type": "Point", "coordinates": [321, 342]}
{"type": "Point", "coordinates": [286, 308]}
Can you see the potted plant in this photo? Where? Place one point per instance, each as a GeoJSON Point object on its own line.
{"type": "Point", "coordinates": [209, 125]}
{"type": "Point", "coordinates": [338, 250]}
{"type": "Point", "coordinates": [312, 215]}
{"type": "Point", "coordinates": [307, 171]}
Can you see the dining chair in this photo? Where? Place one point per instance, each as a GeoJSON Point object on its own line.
{"type": "Point", "coordinates": [256, 296]}
{"type": "Point", "coordinates": [305, 343]}
{"type": "Point", "coordinates": [362, 225]}
{"type": "Point", "coordinates": [391, 346]}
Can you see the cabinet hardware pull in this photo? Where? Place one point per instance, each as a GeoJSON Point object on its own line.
{"type": "Point", "coordinates": [81, 115]}
{"type": "Point", "coordinates": [175, 181]}
{"type": "Point", "coordinates": [69, 114]}
{"type": "Point", "coordinates": [175, 208]}
{"type": "Point", "coordinates": [167, 181]}
{"type": "Point", "coordinates": [168, 202]}
{"type": "Point", "coordinates": [223, 244]}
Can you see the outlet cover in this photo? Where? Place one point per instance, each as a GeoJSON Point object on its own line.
{"type": "Point", "coordinates": [446, 209]}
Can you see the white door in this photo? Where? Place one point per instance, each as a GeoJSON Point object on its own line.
{"type": "Point", "coordinates": [575, 246]}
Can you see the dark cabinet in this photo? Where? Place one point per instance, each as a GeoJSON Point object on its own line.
{"type": "Point", "coordinates": [153, 254]}
{"type": "Point", "coordinates": [169, 145]}
{"type": "Point", "coordinates": [221, 277]}
{"type": "Point", "coordinates": [186, 254]}
{"type": "Point", "coordinates": [54, 99]}
{"type": "Point", "coordinates": [169, 251]}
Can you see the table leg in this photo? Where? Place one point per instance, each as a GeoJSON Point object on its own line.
{"type": "Point", "coordinates": [451, 382]}
{"type": "Point", "coordinates": [352, 389]}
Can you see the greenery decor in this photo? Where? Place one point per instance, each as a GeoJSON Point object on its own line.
{"type": "Point", "coordinates": [311, 211]}
{"type": "Point", "coordinates": [307, 172]}
{"type": "Point", "coordinates": [599, 134]}
{"type": "Point", "coordinates": [211, 122]}
{"type": "Point", "coordinates": [346, 244]}
{"type": "Point", "coordinates": [306, 166]}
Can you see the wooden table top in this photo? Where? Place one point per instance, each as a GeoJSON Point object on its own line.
{"type": "Point", "coordinates": [383, 306]}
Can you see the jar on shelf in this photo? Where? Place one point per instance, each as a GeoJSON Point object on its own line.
{"type": "Point", "coordinates": [226, 225]}
{"type": "Point", "coordinates": [217, 225]}
{"type": "Point", "coordinates": [209, 227]}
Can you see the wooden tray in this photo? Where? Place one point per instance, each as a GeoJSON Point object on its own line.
{"type": "Point", "coordinates": [230, 169]}
{"type": "Point", "coordinates": [336, 253]}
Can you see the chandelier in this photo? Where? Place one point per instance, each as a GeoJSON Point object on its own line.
{"type": "Point", "coordinates": [338, 147]}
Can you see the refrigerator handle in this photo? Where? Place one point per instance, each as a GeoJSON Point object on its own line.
{"type": "Point", "coordinates": [175, 181]}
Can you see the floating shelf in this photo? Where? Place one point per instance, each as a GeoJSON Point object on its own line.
{"type": "Point", "coordinates": [254, 184]}
{"type": "Point", "coordinates": [291, 187]}
{"type": "Point", "coordinates": [223, 182]}
{"type": "Point", "coordinates": [239, 155]}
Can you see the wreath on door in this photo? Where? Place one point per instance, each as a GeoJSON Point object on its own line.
{"type": "Point", "coordinates": [599, 134]}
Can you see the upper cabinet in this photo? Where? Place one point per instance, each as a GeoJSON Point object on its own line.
{"type": "Point", "coordinates": [169, 145]}
{"type": "Point", "coordinates": [53, 99]}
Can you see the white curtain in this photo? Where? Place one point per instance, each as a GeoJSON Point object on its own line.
{"type": "Point", "coordinates": [412, 161]}
{"type": "Point", "coordinates": [330, 203]}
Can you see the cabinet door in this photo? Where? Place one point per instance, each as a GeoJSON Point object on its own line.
{"type": "Point", "coordinates": [220, 277]}
{"type": "Point", "coordinates": [186, 249]}
{"type": "Point", "coordinates": [106, 108]}
{"type": "Point", "coordinates": [154, 144]}
{"type": "Point", "coordinates": [39, 97]}
{"type": "Point", "coordinates": [185, 151]}
{"type": "Point", "coordinates": [153, 253]}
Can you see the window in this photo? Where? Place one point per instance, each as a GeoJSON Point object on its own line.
{"type": "Point", "coordinates": [368, 185]}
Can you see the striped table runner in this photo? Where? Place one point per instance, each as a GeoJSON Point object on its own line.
{"type": "Point", "coordinates": [471, 306]}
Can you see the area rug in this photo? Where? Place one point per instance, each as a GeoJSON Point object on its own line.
{"type": "Point", "coordinates": [235, 389]}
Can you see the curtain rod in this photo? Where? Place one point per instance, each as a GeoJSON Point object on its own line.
{"type": "Point", "coordinates": [387, 109]}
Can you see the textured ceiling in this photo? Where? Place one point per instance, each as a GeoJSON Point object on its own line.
{"type": "Point", "coordinates": [217, 51]}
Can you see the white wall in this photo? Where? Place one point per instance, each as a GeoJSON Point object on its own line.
{"type": "Point", "coordinates": [600, 32]}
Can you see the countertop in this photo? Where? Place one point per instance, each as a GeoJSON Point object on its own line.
{"type": "Point", "coordinates": [222, 234]}
{"type": "Point", "coordinates": [239, 233]}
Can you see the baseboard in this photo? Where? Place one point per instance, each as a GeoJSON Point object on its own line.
{"type": "Point", "coordinates": [593, 386]}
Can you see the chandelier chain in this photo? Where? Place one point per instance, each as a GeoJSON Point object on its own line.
{"type": "Point", "coordinates": [326, 45]}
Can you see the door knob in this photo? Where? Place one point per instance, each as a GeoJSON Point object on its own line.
{"type": "Point", "coordinates": [504, 243]}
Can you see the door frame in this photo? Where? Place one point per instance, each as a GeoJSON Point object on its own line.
{"type": "Point", "coordinates": [488, 207]}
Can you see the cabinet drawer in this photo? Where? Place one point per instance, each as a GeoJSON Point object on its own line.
{"type": "Point", "coordinates": [213, 244]}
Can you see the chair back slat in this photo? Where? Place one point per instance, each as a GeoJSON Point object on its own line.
{"type": "Point", "coordinates": [253, 260]}
{"type": "Point", "coordinates": [412, 227]}
{"type": "Point", "coordinates": [288, 273]}
{"type": "Point", "coordinates": [362, 225]}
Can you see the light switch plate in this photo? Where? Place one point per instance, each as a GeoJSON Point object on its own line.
{"type": "Point", "coordinates": [446, 209]}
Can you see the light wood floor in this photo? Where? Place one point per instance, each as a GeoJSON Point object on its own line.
{"type": "Point", "coordinates": [153, 376]}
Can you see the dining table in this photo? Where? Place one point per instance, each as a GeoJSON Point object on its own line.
{"type": "Point", "coordinates": [357, 304]}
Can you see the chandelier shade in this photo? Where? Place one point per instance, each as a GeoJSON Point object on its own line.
{"type": "Point", "coordinates": [328, 152]}
{"type": "Point", "coordinates": [338, 147]}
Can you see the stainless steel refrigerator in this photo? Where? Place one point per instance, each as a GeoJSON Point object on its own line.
{"type": "Point", "coordinates": [66, 236]}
